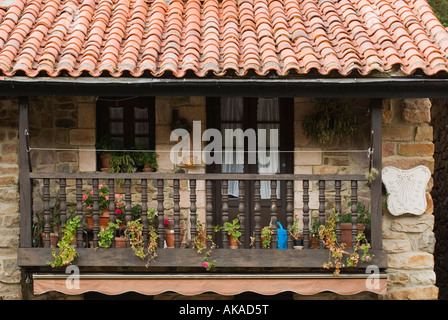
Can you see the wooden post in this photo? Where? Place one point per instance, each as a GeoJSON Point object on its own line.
{"type": "Point", "coordinates": [25, 202]}
{"type": "Point", "coordinates": [376, 185]}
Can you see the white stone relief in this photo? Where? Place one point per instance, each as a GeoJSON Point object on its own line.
{"type": "Point", "coordinates": [406, 189]}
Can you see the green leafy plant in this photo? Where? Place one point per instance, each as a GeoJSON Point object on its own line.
{"type": "Point", "coordinates": [122, 162]}
{"type": "Point", "coordinates": [363, 214]}
{"type": "Point", "coordinates": [371, 175]}
{"type": "Point", "coordinates": [200, 243]}
{"type": "Point", "coordinates": [107, 233]}
{"type": "Point", "coordinates": [134, 232]}
{"type": "Point", "coordinates": [142, 157]}
{"type": "Point", "coordinates": [266, 237]}
{"type": "Point", "coordinates": [66, 252]}
{"type": "Point", "coordinates": [233, 229]}
{"type": "Point", "coordinates": [328, 235]}
{"type": "Point", "coordinates": [332, 122]}
{"type": "Point", "coordinates": [295, 231]}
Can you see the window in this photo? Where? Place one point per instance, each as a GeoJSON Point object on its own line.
{"type": "Point", "coordinates": [131, 121]}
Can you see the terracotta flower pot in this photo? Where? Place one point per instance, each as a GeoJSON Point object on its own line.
{"type": "Point", "coordinates": [233, 244]}
{"type": "Point", "coordinates": [103, 221]}
{"type": "Point", "coordinates": [105, 161]}
{"type": "Point", "coordinates": [169, 238]}
{"type": "Point", "coordinates": [346, 234]}
{"type": "Point", "coordinates": [54, 238]}
{"type": "Point", "coordinates": [120, 242]}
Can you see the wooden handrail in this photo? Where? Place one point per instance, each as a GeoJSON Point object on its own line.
{"type": "Point", "coordinates": [197, 176]}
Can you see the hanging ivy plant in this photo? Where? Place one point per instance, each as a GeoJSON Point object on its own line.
{"type": "Point", "coordinates": [332, 122]}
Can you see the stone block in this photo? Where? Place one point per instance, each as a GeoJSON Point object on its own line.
{"type": "Point", "coordinates": [417, 110]}
{"type": "Point", "coordinates": [394, 133]}
{"type": "Point", "coordinates": [387, 111]}
{"type": "Point", "coordinates": [416, 293]}
{"type": "Point", "coordinates": [424, 133]}
{"type": "Point", "coordinates": [396, 246]}
{"type": "Point", "coordinates": [86, 115]}
{"type": "Point", "coordinates": [307, 156]}
{"type": "Point", "coordinates": [413, 224]}
{"type": "Point", "coordinates": [82, 137]}
{"type": "Point", "coordinates": [410, 260]}
{"type": "Point", "coordinates": [416, 149]}
{"type": "Point", "coordinates": [388, 149]}
{"type": "Point", "coordinates": [87, 161]}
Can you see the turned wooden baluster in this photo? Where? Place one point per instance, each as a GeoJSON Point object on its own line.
{"type": "Point", "coordinates": [192, 208]}
{"type": "Point", "coordinates": [225, 213]}
{"type": "Point", "coordinates": [354, 211]}
{"type": "Point", "coordinates": [145, 211]}
{"type": "Point", "coordinates": [289, 209]}
{"type": "Point", "coordinates": [112, 208]}
{"type": "Point", "coordinates": [321, 208]}
{"type": "Point", "coordinates": [176, 208]}
{"type": "Point", "coordinates": [273, 219]}
{"type": "Point", "coordinates": [160, 212]}
{"type": "Point", "coordinates": [95, 212]}
{"type": "Point", "coordinates": [79, 212]}
{"type": "Point", "coordinates": [63, 199]}
{"type": "Point", "coordinates": [209, 210]}
{"type": "Point", "coordinates": [241, 211]}
{"type": "Point", "coordinates": [47, 217]}
{"type": "Point", "coordinates": [128, 201]}
{"type": "Point", "coordinates": [306, 214]}
{"type": "Point", "coordinates": [337, 208]}
{"type": "Point", "coordinates": [257, 214]}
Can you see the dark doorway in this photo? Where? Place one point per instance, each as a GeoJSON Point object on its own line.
{"type": "Point", "coordinates": [272, 124]}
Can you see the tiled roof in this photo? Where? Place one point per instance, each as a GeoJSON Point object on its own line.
{"type": "Point", "coordinates": [213, 37]}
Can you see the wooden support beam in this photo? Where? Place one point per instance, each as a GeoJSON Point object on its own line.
{"type": "Point", "coordinates": [25, 202]}
{"type": "Point", "coordinates": [376, 185]}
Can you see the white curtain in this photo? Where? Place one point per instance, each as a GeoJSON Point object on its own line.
{"type": "Point", "coordinates": [268, 143]}
{"type": "Point", "coordinates": [232, 109]}
{"type": "Point", "coordinates": [232, 112]}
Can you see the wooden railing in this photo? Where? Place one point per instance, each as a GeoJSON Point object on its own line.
{"type": "Point", "coordinates": [78, 181]}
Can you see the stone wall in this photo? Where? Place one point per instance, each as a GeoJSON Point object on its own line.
{"type": "Point", "coordinates": [10, 274]}
{"type": "Point", "coordinates": [409, 239]}
{"type": "Point", "coordinates": [440, 194]}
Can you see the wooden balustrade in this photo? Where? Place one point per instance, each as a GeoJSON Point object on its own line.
{"type": "Point", "coordinates": [80, 183]}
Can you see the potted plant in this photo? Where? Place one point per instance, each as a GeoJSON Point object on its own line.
{"type": "Point", "coordinates": [232, 228]}
{"type": "Point", "coordinates": [67, 251]}
{"type": "Point", "coordinates": [266, 237]}
{"type": "Point", "coordinates": [169, 234]}
{"type": "Point", "coordinates": [103, 205]}
{"type": "Point", "coordinates": [107, 145]}
{"type": "Point", "coordinates": [346, 229]}
{"type": "Point", "coordinates": [107, 233]}
{"type": "Point", "coordinates": [296, 234]}
{"type": "Point", "coordinates": [122, 162]}
{"type": "Point", "coordinates": [145, 161]}
{"type": "Point", "coordinates": [327, 233]}
{"type": "Point", "coordinates": [314, 233]}
{"type": "Point", "coordinates": [333, 121]}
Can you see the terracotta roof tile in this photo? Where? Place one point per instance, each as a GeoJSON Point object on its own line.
{"type": "Point", "coordinates": [45, 37]}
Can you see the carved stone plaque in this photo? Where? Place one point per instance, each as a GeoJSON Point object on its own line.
{"type": "Point", "coordinates": [406, 189]}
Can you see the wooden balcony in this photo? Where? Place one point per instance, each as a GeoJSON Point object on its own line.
{"type": "Point", "coordinates": [250, 257]}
